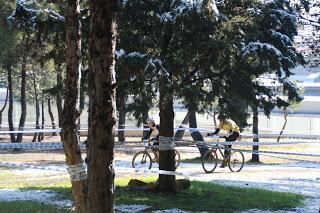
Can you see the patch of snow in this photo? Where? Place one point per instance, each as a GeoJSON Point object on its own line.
{"type": "Point", "coordinates": [119, 53]}
{"type": "Point", "coordinates": [284, 38]}
{"type": "Point", "coordinates": [172, 211]}
{"type": "Point", "coordinates": [42, 196]}
{"type": "Point", "coordinates": [254, 47]}
{"type": "Point", "coordinates": [131, 208]}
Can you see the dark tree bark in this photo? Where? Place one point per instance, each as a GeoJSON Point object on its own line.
{"type": "Point", "coordinates": [10, 110]}
{"type": "Point", "coordinates": [102, 41]}
{"type": "Point", "coordinates": [145, 124]}
{"type": "Point", "coordinates": [35, 135]}
{"type": "Point", "coordinates": [167, 183]}
{"type": "Point", "coordinates": [41, 135]}
{"type": "Point", "coordinates": [179, 134]}
{"type": "Point", "coordinates": [4, 106]}
{"type": "Point", "coordinates": [122, 117]}
{"type": "Point", "coordinates": [53, 124]}
{"type": "Point", "coordinates": [214, 117]}
{"type": "Point", "coordinates": [196, 136]}
{"type": "Point", "coordinates": [23, 98]}
{"type": "Point", "coordinates": [71, 112]}
{"type": "Point", "coordinates": [59, 99]}
{"type": "Point", "coordinates": [285, 115]}
{"type": "Point", "coordinates": [255, 131]}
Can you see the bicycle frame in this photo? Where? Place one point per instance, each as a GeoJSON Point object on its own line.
{"type": "Point", "coordinates": [219, 147]}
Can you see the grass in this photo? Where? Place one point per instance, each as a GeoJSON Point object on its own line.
{"type": "Point", "coordinates": [28, 206]}
{"type": "Point", "coordinates": [202, 196]}
{"type": "Point", "coordinates": [210, 197]}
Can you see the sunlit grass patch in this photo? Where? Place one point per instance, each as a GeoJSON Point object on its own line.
{"type": "Point", "coordinates": [210, 197]}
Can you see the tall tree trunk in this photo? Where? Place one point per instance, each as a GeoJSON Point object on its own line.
{"type": "Point", "coordinates": [255, 131]}
{"type": "Point", "coordinates": [122, 117]}
{"type": "Point", "coordinates": [59, 98]}
{"type": "Point", "coordinates": [285, 116]}
{"type": "Point", "coordinates": [102, 42]}
{"type": "Point", "coordinates": [167, 183]}
{"type": "Point", "coordinates": [214, 117]}
{"type": "Point", "coordinates": [23, 98]}
{"type": "Point", "coordinates": [53, 124]}
{"type": "Point", "coordinates": [71, 112]}
{"type": "Point", "coordinates": [41, 135]}
{"type": "Point", "coordinates": [196, 135]}
{"type": "Point", "coordinates": [4, 106]}
{"type": "Point", "coordinates": [35, 135]}
{"type": "Point", "coordinates": [179, 133]}
{"type": "Point", "coordinates": [10, 110]}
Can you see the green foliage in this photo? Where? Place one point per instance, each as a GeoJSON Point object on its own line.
{"type": "Point", "coordinates": [211, 55]}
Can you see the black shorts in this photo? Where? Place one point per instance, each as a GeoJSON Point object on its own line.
{"type": "Point", "coordinates": [233, 136]}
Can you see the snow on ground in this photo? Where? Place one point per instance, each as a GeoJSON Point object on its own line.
{"type": "Point", "coordinates": [41, 196]}
{"type": "Point", "coordinates": [302, 178]}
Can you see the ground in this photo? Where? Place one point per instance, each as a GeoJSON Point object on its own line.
{"type": "Point", "coordinates": [302, 177]}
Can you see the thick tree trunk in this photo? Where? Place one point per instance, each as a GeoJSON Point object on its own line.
{"type": "Point", "coordinates": [255, 131]}
{"type": "Point", "coordinates": [179, 134]}
{"type": "Point", "coordinates": [10, 110]}
{"type": "Point", "coordinates": [102, 41]}
{"type": "Point", "coordinates": [35, 135]}
{"type": "Point", "coordinates": [4, 106]}
{"type": "Point", "coordinates": [122, 117]}
{"type": "Point", "coordinates": [285, 115]}
{"type": "Point", "coordinates": [167, 183]}
{"type": "Point", "coordinates": [71, 112]}
{"type": "Point", "coordinates": [23, 98]}
{"type": "Point", "coordinates": [53, 124]}
{"type": "Point", "coordinates": [59, 98]}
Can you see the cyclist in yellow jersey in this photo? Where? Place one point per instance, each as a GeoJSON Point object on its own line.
{"type": "Point", "coordinates": [234, 131]}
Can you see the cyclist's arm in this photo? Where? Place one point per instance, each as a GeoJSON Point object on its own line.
{"type": "Point", "coordinates": [216, 132]}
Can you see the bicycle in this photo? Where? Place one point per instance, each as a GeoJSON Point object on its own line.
{"type": "Point", "coordinates": [235, 160]}
{"type": "Point", "coordinates": [143, 159]}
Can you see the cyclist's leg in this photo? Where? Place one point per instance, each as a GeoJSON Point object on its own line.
{"type": "Point", "coordinates": [227, 151]}
{"type": "Point", "coordinates": [231, 138]}
{"type": "Point", "coordinates": [155, 151]}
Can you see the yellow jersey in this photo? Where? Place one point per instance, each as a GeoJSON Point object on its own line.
{"type": "Point", "coordinates": [229, 125]}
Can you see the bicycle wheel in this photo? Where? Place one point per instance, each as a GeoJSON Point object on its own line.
{"type": "Point", "coordinates": [209, 161]}
{"type": "Point", "coordinates": [142, 160]}
{"type": "Point", "coordinates": [236, 161]}
{"type": "Point", "coordinates": [176, 158]}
